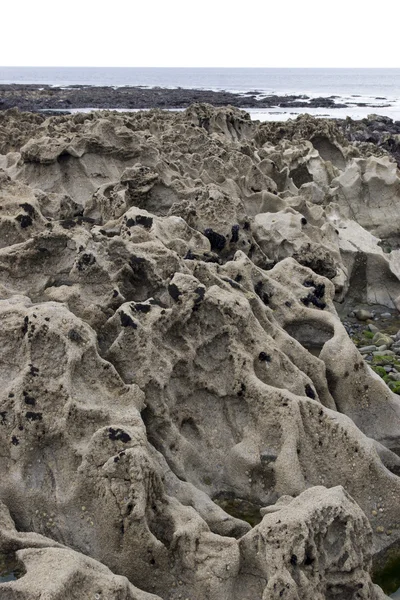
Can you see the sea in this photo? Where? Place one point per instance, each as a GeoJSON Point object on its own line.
{"type": "Point", "coordinates": [364, 91]}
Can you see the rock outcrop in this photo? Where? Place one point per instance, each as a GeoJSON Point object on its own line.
{"type": "Point", "coordinates": [173, 367]}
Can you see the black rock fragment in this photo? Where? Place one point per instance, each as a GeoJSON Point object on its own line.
{"type": "Point", "coordinates": [118, 435]}
{"type": "Point", "coordinates": [25, 325]}
{"type": "Point", "coordinates": [67, 223]}
{"type": "Point", "coordinates": [309, 391]}
{"type": "Point", "coordinates": [200, 291]}
{"type": "Point", "coordinates": [126, 320]}
{"type": "Point", "coordinates": [24, 220]}
{"type": "Point", "coordinates": [316, 296]}
{"type": "Point", "coordinates": [144, 308]}
{"type": "Point", "coordinates": [34, 371]}
{"type": "Point", "coordinates": [144, 221]}
{"type": "Point", "coordinates": [189, 255]}
{"type": "Point", "coordinates": [217, 240]}
{"type": "Point", "coordinates": [28, 208]}
{"type": "Point", "coordinates": [33, 416]}
{"type": "Point", "coordinates": [235, 234]}
{"type": "Point", "coordinates": [134, 261]}
{"type": "Point", "coordinates": [174, 291]}
{"type": "Point", "coordinates": [29, 399]}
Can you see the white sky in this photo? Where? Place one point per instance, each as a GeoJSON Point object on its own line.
{"type": "Point", "coordinates": [202, 33]}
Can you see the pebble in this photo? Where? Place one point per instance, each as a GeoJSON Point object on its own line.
{"type": "Point", "coordinates": [372, 328]}
{"type": "Point", "coordinates": [386, 315]}
{"type": "Point", "coordinates": [367, 349]}
{"type": "Point", "coordinates": [382, 348]}
{"type": "Point", "coordinates": [380, 339]}
{"type": "Point", "coordinates": [363, 315]}
{"type": "Point", "coordinates": [384, 353]}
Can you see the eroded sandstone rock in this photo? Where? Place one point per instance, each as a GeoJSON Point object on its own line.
{"type": "Point", "coordinates": [172, 363]}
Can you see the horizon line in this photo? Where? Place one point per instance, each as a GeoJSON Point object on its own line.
{"type": "Point", "coordinates": [175, 67]}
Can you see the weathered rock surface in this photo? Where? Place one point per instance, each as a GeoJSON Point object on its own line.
{"type": "Point", "coordinates": [367, 192]}
{"type": "Point", "coordinates": [300, 550]}
{"type": "Point", "coordinates": [296, 563]}
{"type": "Point", "coordinates": [38, 567]}
{"type": "Point", "coordinates": [172, 363]}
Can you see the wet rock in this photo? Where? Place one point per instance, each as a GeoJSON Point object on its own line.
{"type": "Point", "coordinates": [367, 349]}
{"type": "Point", "coordinates": [363, 315]}
{"type": "Point", "coordinates": [380, 339]}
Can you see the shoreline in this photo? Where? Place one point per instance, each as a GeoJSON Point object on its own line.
{"type": "Point", "coordinates": [361, 125]}
{"type": "Point", "coordinates": [38, 98]}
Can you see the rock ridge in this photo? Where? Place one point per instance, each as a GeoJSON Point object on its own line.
{"type": "Point", "coordinates": [182, 412]}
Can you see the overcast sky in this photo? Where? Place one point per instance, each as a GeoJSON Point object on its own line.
{"type": "Point", "coordinates": [203, 33]}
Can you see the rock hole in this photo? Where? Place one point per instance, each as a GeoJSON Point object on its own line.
{"type": "Point", "coordinates": [240, 508]}
{"type": "Point", "coordinates": [329, 151]}
{"type": "Point", "coordinates": [311, 336]}
{"type": "Point", "coordinates": [301, 175]}
{"type": "Point", "coordinates": [10, 567]}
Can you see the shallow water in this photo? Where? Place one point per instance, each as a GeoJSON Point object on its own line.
{"type": "Point", "coordinates": [10, 568]}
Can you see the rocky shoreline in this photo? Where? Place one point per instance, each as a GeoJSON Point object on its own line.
{"type": "Point", "coordinates": [377, 130]}
{"type": "Point", "coordinates": [36, 97]}
{"type": "Point", "coordinates": [191, 401]}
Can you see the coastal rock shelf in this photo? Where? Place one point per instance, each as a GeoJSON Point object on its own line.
{"type": "Point", "coordinates": [45, 97]}
{"type": "Point", "coordinates": [183, 414]}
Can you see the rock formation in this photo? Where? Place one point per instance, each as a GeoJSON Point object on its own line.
{"type": "Point", "coordinates": [182, 412]}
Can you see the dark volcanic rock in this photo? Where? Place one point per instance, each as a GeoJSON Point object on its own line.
{"type": "Point", "coordinates": [46, 98]}
{"type": "Point", "coordinates": [375, 129]}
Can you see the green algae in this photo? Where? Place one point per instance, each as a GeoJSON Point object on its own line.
{"type": "Point", "coordinates": [239, 508]}
{"type": "Point", "coordinates": [388, 575]}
